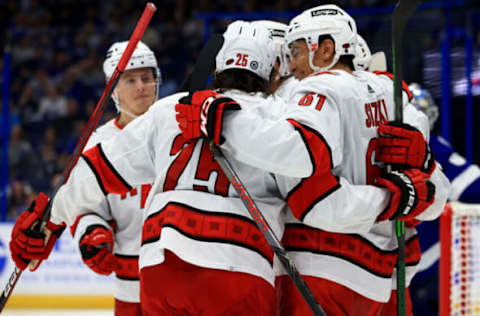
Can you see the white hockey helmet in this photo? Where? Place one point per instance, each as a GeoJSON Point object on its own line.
{"type": "Point", "coordinates": [326, 19]}
{"type": "Point", "coordinates": [142, 57]}
{"type": "Point", "coordinates": [363, 56]}
{"type": "Point", "coordinates": [247, 46]}
{"type": "Point", "coordinates": [278, 31]}
{"type": "Point", "coordinates": [422, 99]}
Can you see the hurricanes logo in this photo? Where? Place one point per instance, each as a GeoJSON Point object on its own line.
{"type": "Point", "coordinates": [254, 65]}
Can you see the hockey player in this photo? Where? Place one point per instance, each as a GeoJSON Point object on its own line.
{"type": "Point", "coordinates": [281, 80]}
{"type": "Point", "coordinates": [337, 114]}
{"type": "Point", "coordinates": [108, 233]}
{"type": "Point", "coordinates": [364, 60]}
{"type": "Point", "coordinates": [465, 179]}
{"type": "Point", "coordinates": [201, 252]}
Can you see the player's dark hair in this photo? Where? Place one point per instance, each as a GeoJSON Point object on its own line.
{"type": "Point", "coordinates": [239, 79]}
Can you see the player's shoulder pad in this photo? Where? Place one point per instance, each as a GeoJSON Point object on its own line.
{"type": "Point", "coordinates": [170, 99]}
{"type": "Point", "coordinates": [404, 84]}
{"type": "Point", "coordinates": [417, 118]}
{"type": "Point", "coordinates": [326, 83]}
{"type": "Point", "coordinates": [102, 133]}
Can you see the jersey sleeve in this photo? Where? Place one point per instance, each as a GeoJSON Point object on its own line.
{"type": "Point", "coordinates": [114, 166]}
{"type": "Point", "coordinates": [318, 198]}
{"type": "Point", "coordinates": [464, 175]}
{"type": "Point", "coordinates": [96, 217]}
{"type": "Point", "coordinates": [270, 144]}
{"type": "Point", "coordinates": [346, 208]}
{"type": "Point", "coordinates": [442, 184]}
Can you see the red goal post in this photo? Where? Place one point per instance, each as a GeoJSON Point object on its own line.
{"type": "Point", "coordinates": [460, 260]}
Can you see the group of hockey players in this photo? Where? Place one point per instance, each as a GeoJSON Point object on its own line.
{"type": "Point", "coordinates": [309, 128]}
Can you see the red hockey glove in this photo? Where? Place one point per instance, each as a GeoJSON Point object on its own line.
{"type": "Point", "coordinates": [403, 147]}
{"type": "Point", "coordinates": [27, 242]}
{"type": "Point", "coordinates": [96, 247]}
{"type": "Point", "coordinates": [201, 114]}
{"type": "Point", "coordinates": [412, 193]}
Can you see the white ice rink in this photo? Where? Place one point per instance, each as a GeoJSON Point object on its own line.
{"type": "Point", "coordinates": [57, 312]}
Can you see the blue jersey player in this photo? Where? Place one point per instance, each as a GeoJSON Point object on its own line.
{"type": "Point", "coordinates": [465, 187]}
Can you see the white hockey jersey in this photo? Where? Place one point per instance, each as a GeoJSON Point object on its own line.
{"type": "Point", "coordinates": [123, 214]}
{"type": "Point", "coordinates": [337, 115]}
{"type": "Point", "coordinates": [192, 209]}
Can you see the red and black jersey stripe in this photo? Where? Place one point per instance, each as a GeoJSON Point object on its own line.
{"type": "Point", "coordinates": [127, 267]}
{"type": "Point", "coordinates": [350, 247]}
{"type": "Point", "coordinates": [322, 182]}
{"type": "Point", "coordinates": [207, 226]}
{"type": "Point", "coordinates": [73, 228]}
{"type": "Point", "coordinates": [109, 180]}
{"type": "Point", "coordinates": [404, 84]}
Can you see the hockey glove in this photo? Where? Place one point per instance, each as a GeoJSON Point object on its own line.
{"type": "Point", "coordinates": [403, 146]}
{"type": "Point", "coordinates": [412, 193]}
{"type": "Point", "coordinates": [96, 247]}
{"type": "Point", "coordinates": [27, 242]}
{"type": "Point", "coordinates": [201, 115]}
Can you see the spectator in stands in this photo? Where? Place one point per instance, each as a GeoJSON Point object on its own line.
{"type": "Point", "coordinates": [20, 195]}
{"type": "Point", "coordinates": [52, 106]}
{"type": "Point", "coordinates": [22, 160]}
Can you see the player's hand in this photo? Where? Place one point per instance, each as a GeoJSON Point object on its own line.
{"type": "Point", "coordinates": [27, 242]}
{"type": "Point", "coordinates": [412, 193]}
{"type": "Point", "coordinates": [201, 115]}
{"type": "Point", "coordinates": [403, 146]}
{"type": "Point", "coordinates": [96, 247]}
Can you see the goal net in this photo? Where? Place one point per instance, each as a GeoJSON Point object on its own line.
{"type": "Point", "coordinates": [460, 260]}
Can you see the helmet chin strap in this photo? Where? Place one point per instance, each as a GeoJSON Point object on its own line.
{"type": "Point", "coordinates": [128, 113]}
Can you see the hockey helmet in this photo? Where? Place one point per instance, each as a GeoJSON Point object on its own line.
{"type": "Point", "coordinates": [247, 46]}
{"type": "Point", "coordinates": [422, 99]}
{"type": "Point", "coordinates": [278, 31]}
{"type": "Point", "coordinates": [363, 56]}
{"type": "Point", "coordinates": [142, 57]}
{"type": "Point", "coordinates": [324, 20]}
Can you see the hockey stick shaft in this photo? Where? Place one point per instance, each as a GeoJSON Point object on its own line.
{"type": "Point", "coordinates": [91, 125]}
{"type": "Point", "coordinates": [403, 10]}
{"type": "Point", "coordinates": [263, 226]}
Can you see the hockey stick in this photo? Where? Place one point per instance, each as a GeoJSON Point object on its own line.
{"type": "Point", "coordinates": [92, 123]}
{"type": "Point", "coordinates": [263, 226]}
{"type": "Point", "coordinates": [403, 11]}
{"type": "Point", "coordinates": [197, 81]}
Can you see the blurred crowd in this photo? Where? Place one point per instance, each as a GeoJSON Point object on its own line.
{"type": "Point", "coordinates": [58, 48]}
